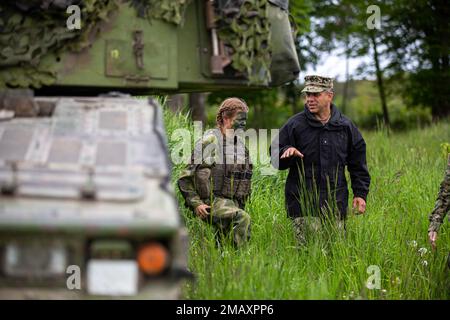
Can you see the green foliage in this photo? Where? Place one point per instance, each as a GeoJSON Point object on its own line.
{"type": "Point", "coordinates": [300, 11]}
{"type": "Point", "coordinates": [413, 42]}
{"type": "Point", "coordinates": [445, 148]}
{"type": "Point", "coordinates": [402, 118]}
{"type": "Point", "coordinates": [420, 48]}
{"type": "Point", "coordinates": [300, 14]}
{"type": "Point", "coordinates": [429, 88]}
{"type": "Point", "coordinates": [406, 171]}
{"type": "Point", "coordinates": [364, 109]}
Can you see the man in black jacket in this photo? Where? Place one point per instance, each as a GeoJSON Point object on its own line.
{"type": "Point", "coordinates": [316, 145]}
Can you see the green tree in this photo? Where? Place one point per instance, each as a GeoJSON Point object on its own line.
{"type": "Point", "coordinates": [419, 39]}
{"type": "Point", "coordinates": [412, 45]}
{"type": "Point", "coordinates": [344, 24]}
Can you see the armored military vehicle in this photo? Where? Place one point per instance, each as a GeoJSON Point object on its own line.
{"type": "Point", "coordinates": [86, 205]}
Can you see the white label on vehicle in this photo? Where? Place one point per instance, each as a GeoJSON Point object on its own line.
{"type": "Point", "coordinates": [112, 277]}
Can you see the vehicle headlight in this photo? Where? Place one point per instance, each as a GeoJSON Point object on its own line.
{"type": "Point", "coordinates": [34, 259]}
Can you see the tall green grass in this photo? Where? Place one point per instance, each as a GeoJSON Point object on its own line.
{"type": "Point", "coordinates": [406, 171]}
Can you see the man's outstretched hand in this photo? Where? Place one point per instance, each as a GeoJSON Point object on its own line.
{"type": "Point", "coordinates": [291, 152]}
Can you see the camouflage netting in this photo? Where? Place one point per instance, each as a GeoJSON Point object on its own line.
{"type": "Point", "coordinates": [167, 10]}
{"type": "Point", "coordinates": [34, 32]}
{"type": "Point", "coordinates": [27, 5]}
{"type": "Point", "coordinates": [31, 32]}
{"type": "Point", "coordinates": [244, 27]}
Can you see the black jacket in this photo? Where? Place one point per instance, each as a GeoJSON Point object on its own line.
{"type": "Point", "coordinates": [327, 149]}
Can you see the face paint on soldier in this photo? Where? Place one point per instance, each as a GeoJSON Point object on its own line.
{"type": "Point", "coordinates": [230, 125]}
{"type": "Point", "coordinates": [239, 120]}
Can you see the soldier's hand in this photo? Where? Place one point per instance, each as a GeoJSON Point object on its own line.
{"type": "Point", "coordinates": [432, 236]}
{"type": "Point", "coordinates": [201, 211]}
{"type": "Point", "coordinates": [359, 204]}
{"type": "Point", "coordinates": [291, 152]}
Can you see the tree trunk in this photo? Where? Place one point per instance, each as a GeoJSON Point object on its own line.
{"type": "Point", "coordinates": [441, 105]}
{"type": "Point", "coordinates": [197, 104]}
{"type": "Point", "coordinates": [292, 96]}
{"type": "Point", "coordinates": [347, 76]}
{"type": "Point", "coordinates": [380, 84]}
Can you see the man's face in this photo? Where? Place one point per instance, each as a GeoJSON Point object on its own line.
{"type": "Point", "coordinates": [239, 120]}
{"type": "Point", "coordinates": [318, 101]}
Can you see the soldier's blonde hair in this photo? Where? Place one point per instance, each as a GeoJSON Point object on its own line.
{"type": "Point", "coordinates": [229, 108]}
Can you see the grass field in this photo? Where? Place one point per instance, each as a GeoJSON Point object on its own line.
{"type": "Point", "coordinates": [406, 171]}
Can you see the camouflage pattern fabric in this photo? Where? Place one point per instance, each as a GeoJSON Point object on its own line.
{"type": "Point", "coordinates": [232, 177]}
{"type": "Point", "coordinates": [227, 216]}
{"type": "Point", "coordinates": [305, 227]}
{"type": "Point", "coordinates": [27, 5]}
{"type": "Point", "coordinates": [167, 10]}
{"type": "Point", "coordinates": [196, 184]}
{"type": "Point", "coordinates": [188, 182]}
{"type": "Point", "coordinates": [244, 27]}
{"type": "Point", "coordinates": [31, 40]}
{"type": "Point", "coordinates": [442, 205]}
{"type": "Point", "coordinates": [317, 84]}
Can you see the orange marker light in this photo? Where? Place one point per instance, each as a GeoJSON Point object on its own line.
{"type": "Point", "coordinates": [152, 258]}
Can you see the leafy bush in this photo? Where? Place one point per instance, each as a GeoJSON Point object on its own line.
{"type": "Point", "coordinates": [366, 111]}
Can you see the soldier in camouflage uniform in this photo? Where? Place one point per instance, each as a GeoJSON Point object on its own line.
{"type": "Point", "coordinates": [217, 187]}
{"type": "Point", "coordinates": [441, 208]}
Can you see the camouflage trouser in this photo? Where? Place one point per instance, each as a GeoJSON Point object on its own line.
{"type": "Point", "coordinates": [227, 216]}
{"type": "Point", "coordinates": [305, 227]}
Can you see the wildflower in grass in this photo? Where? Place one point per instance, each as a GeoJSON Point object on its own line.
{"type": "Point", "coordinates": [423, 251]}
{"type": "Point", "coordinates": [413, 243]}
{"type": "Point", "coordinates": [425, 263]}
{"type": "Point", "coordinates": [396, 281]}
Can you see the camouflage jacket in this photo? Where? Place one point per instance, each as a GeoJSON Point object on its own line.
{"type": "Point", "coordinates": [442, 205]}
{"type": "Point", "coordinates": [211, 173]}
